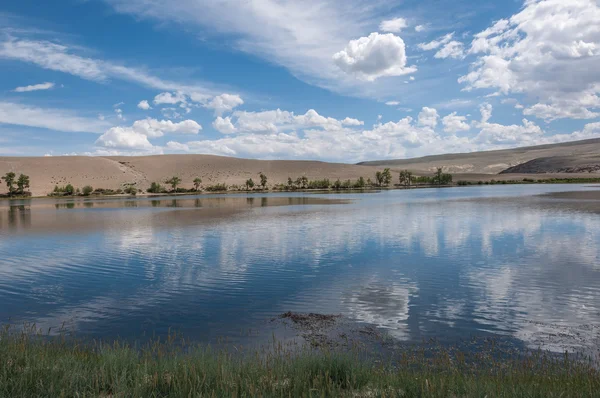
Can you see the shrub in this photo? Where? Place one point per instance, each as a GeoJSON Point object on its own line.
{"type": "Point", "coordinates": [216, 188]}
{"type": "Point", "coordinates": [155, 187]}
{"type": "Point", "coordinates": [87, 190]}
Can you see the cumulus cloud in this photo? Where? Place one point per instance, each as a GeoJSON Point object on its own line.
{"type": "Point", "coordinates": [486, 112]}
{"type": "Point", "coordinates": [224, 125]}
{"type": "Point", "coordinates": [136, 137]}
{"type": "Point", "coordinates": [420, 28]}
{"type": "Point", "coordinates": [374, 56]}
{"type": "Point", "coordinates": [157, 128]}
{"type": "Point", "coordinates": [277, 120]}
{"type": "Point", "coordinates": [453, 123]}
{"type": "Point", "coordinates": [352, 122]}
{"type": "Point", "coordinates": [428, 117]}
{"type": "Point", "coordinates": [123, 138]}
{"type": "Point", "coordinates": [548, 51]}
{"type": "Point", "coordinates": [393, 25]}
{"type": "Point", "coordinates": [224, 103]}
{"type": "Point", "coordinates": [144, 105]}
{"type": "Point", "coordinates": [170, 98]}
{"type": "Point", "coordinates": [34, 87]}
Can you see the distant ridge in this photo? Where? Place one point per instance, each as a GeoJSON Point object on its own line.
{"type": "Point", "coordinates": [563, 156]}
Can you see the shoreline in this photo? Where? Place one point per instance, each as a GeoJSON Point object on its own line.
{"type": "Point", "coordinates": [459, 183]}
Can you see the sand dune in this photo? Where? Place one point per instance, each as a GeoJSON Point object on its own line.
{"type": "Point", "coordinates": [578, 159]}
{"type": "Point", "coordinates": [113, 172]}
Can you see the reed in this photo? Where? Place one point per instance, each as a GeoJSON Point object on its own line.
{"type": "Point", "coordinates": [32, 365]}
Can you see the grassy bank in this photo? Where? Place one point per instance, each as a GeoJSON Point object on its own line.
{"type": "Point", "coordinates": [35, 366]}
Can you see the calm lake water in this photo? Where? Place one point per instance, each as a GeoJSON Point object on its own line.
{"type": "Point", "coordinates": [443, 263]}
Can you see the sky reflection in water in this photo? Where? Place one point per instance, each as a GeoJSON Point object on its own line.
{"type": "Point", "coordinates": [426, 263]}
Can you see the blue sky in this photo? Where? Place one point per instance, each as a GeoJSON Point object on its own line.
{"type": "Point", "coordinates": [337, 80]}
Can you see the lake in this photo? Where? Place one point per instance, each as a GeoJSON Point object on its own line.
{"type": "Point", "coordinates": [428, 263]}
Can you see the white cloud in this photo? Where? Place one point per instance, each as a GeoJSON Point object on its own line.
{"type": "Point", "coordinates": [392, 103]}
{"type": "Point", "coordinates": [119, 113]}
{"type": "Point", "coordinates": [34, 87]}
{"type": "Point", "coordinates": [170, 98]}
{"type": "Point", "coordinates": [279, 134]}
{"type": "Point", "coordinates": [123, 138]}
{"type": "Point", "coordinates": [48, 118]}
{"type": "Point", "coordinates": [59, 57]}
{"type": "Point", "coordinates": [352, 122]}
{"type": "Point", "coordinates": [453, 49]}
{"type": "Point", "coordinates": [224, 126]}
{"type": "Point", "coordinates": [453, 123]}
{"type": "Point", "coordinates": [136, 136]}
{"type": "Point", "coordinates": [549, 51]}
{"type": "Point", "coordinates": [486, 112]}
{"type": "Point", "coordinates": [375, 56]}
{"type": "Point", "coordinates": [144, 105]}
{"type": "Point", "coordinates": [157, 128]}
{"type": "Point", "coordinates": [393, 25]}
{"type": "Point", "coordinates": [277, 120]}
{"type": "Point", "coordinates": [420, 28]}
{"type": "Point", "coordinates": [428, 117]}
{"type": "Point", "coordinates": [301, 36]}
{"type": "Point", "coordinates": [224, 103]}
{"type": "Point", "coordinates": [435, 44]}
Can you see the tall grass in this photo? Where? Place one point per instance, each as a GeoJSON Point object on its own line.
{"type": "Point", "coordinates": [35, 366]}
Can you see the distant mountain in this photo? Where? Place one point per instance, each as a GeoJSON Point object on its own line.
{"type": "Point", "coordinates": [568, 157]}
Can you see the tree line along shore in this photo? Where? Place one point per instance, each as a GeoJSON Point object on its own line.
{"type": "Point", "coordinates": [18, 185]}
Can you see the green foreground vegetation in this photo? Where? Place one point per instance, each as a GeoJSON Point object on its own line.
{"type": "Point", "coordinates": [34, 366]}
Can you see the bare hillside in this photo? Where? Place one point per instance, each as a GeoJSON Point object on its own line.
{"type": "Point", "coordinates": [113, 172]}
{"type": "Point", "coordinates": [567, 155]}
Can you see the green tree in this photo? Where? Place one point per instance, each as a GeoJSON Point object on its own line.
{"type": "Point", "coordinates": [379, 178]}
{"type": "Point", "coordinates": [438, 176]}
{"type": "Point", "coordinates": [174, 182]}
{"type": "Point", "coordinates": [337, 184]}
{"type": "Point", "coordinates": [386, 177]}
{"type": "Point", "coordinates": [9, 179]}
{"type": "Point", "coordinates": [360, 183]}
{"type": "Point", "coordinates": [290, 183]}
{"type": "Point", "coordinates": [249, 184]}
{"type": "Point", "coordinates": [87, 190]}
{"type": "Point", "coordinates": [69, 190]}
{"type": "Point", "coordinates": [263, 180]}
{"type": "Point", "coordinates": [155, 187]}
{"type": "Point", "coordinates": [22, 183]}
{"type": "Point", "coordinates": [406, 178]}
{"type": "Point", "coordinates": [197, 183]}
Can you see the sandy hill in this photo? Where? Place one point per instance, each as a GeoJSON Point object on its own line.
{"type": "Point", "coordinates": [113, 172]}
{"type": "Point", "coordinates": [565, 157]}
{"type": "Point", "coordinates": [579, 159]}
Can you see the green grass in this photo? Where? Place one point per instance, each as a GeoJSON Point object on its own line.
{"type": "Point", "coordinates": [35, 366]}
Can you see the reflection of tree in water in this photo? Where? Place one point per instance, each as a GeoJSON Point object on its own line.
{"type": "Point", "coordinates": [250, 201]}
{"type": "Point", "coordinates": [68, 205]}
{"type": "Point", "coordinates": [263, 202]}
{"type": "Point", "coordinates": [19, 215]}
{"type": "Point", "coordinates": [155, 203]}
